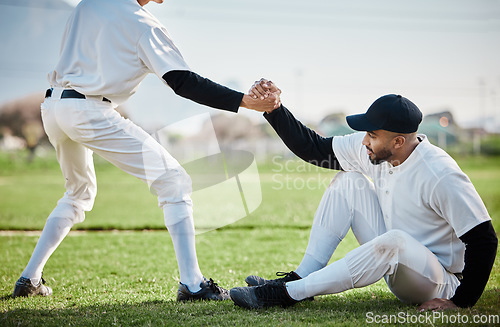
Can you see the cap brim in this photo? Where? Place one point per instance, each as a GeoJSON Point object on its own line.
{"type": "Point", "coordinates": [360, 123]}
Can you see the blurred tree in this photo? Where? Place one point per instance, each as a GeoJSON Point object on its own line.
{"type": "Point", "coordinates": [21, 118]}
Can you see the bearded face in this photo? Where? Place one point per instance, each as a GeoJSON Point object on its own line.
{"type": "Point", "coordinates": [378, 146]}
{"type": "Point", "coordinates": [377, 157]}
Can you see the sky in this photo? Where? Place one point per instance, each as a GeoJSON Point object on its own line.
{"type": "Point", "coordinates": [337, 56]}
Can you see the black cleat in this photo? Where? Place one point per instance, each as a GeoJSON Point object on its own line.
{"type": "Point", "coordinates": [24, 287]}
{"type": "Point", "coordinates": [263, 296]}
{"type": "Point", "coordinates": [209, 291]}
{"type": "Point", "coordinates": [288, 277]}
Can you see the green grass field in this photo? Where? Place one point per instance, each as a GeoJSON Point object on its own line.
{"type": "Point", "coordinates": [119, 268]}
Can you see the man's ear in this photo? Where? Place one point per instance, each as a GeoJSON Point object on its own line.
{"type": "Point", "coordinates": [399, 141]}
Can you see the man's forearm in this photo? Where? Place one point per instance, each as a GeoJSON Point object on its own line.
{"type": "Point", "coordinates": [302, 141]}
{"type": "Point", "coordinates": [201, 90]}
{"type": "Point", "coordinates": [481, 248]}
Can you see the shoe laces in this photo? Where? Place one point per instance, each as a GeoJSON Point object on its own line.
{"type": "Point", "coordinates": [285, 274]}
{"type": "Point", "coordinates": [214, 286]}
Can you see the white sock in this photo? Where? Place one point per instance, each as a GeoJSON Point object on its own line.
{"type": "Point", "coordinates": [308, 265]}
{"type": "Point", "coordinates": [322, 244]}
{"type": "Point", "coordinates": [334, 278]}
{"type": "Point", "coordinates": [53, 233]}
{"type": "Point", "coordinates": [183, 238]}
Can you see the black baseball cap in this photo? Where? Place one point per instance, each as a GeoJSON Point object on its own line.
{"type": "Point", "coordinates": [390, 112]}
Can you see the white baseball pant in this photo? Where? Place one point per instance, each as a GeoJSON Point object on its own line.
{"type": "Point", "coordinates": [79, 127]}
{"type": "Point", "coordinates": [412, 272]}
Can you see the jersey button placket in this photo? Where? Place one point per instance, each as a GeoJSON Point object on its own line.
{"type": "Point", "coordinates": [389, 182]}
{"type": "Point", "coordinates": [388, 198]}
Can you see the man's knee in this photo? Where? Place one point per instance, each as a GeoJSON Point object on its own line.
{"type": "Point", "coordinates": [175, 198]}
{"type": "Point", "coordinates": [349, 180]}
{"type": "Point", "coordinates": [390, 244]}
{"type": "Point", "coordinates": [351, 187]}
{"type": "Point", "coordinates": [173, 186]}
{"type": "Point", "coordinates": [66, 210]}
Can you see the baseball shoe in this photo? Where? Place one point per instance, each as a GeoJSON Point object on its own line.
{"type": "Point", "coordinates": [24, 287]}
{"type": "Point", "coordinates": [288, 277]}
{"type": "Point", "coordinates": [209, 291]}
{"type": "Point", "coordinates": [263, 296]}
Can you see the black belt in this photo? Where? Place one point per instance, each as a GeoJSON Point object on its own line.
{"type": "Point", "coordinates": [71, 94]}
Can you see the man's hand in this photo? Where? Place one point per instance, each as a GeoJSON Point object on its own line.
{"type": "Point", "coordinates": [437, 305]}
{"type": "Point", "coordinates": [264, 95]}
{"type": "Point", "coordinates": [263, 89]}
{"type": "Point", "coordinates": [267, 104]}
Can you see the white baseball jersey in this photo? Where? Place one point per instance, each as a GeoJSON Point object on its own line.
{"type": "Point", "coordinates": [108, 48]}
{"type": "Point", "coordinates": [427, 196]}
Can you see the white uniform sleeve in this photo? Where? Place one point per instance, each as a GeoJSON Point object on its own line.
{"type": "Point", "coordinates": [158, 52]}
{"type": "Point", "coordinates": [456, 200]}
{"type": "Point", "coordinates": [351, 153]}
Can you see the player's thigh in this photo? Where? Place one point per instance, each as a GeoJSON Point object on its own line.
{"type": "Point", "coordinates": [134, 151]}
{"type": "Point", "coordinates": [75, 160]}
{"type": "Point", "coordinates": [419, 276]}
{"type": "Point", "coordinates": [362, 204]}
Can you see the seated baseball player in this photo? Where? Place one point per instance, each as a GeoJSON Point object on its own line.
{"type": "Point", "coordinates": [419, 221]}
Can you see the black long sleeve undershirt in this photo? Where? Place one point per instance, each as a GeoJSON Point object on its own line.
{"type": "Point", "coordinates": [480, 251]}
{"type": "Point", "coordinates": [201, 90]}
{"type": "Point", "coordinates": [302, 141]}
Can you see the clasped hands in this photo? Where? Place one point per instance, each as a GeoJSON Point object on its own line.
{"type": "Point", "coordinates": [264, 95]}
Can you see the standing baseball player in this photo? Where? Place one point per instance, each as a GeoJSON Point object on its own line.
{"type": "Point", "coordinates": [108, 47]}
{"type": "Point", "coordinates": [420, 223]}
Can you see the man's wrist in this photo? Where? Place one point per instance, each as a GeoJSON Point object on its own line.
{"type": "Point", "coordinates": [246, 101]}
{"type": "Point", "coordinates": [274, 112]}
